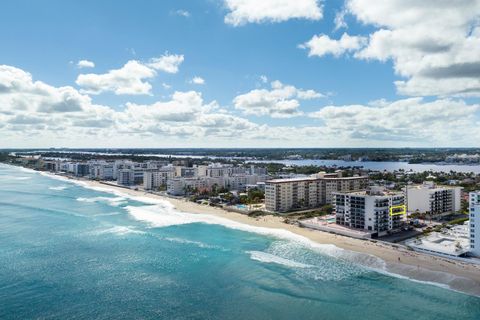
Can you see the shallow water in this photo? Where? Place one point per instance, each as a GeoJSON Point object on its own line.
{"type": "Point", "coordinates": [71, 252]}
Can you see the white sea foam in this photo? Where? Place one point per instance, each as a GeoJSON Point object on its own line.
{"type": "Point", "coordinates": [309, 262]}
{"type": "Point", "coordinates": [119, 230]}
{"type": "Point", "coordinates": [106, 214]}
{"type": "Point", "coordinates": [433, 275]}
{"type": "Point", "coordinates": [190, 242]}
{"type": "Point", "coordinates": [115, 202]}
{"type": "Point", "coordinates": [59, 188]}
{"type": "Point", "coordinates": [163, 214]}
{"type": "Point", "coordinates": [270, 258]}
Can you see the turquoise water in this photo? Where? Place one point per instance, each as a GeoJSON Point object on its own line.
{"type": "Point", "coordinates": [71, 252]}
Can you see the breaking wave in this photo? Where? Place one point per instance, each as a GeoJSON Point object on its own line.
{"type": "Point", "coordinates": [118, 230]}
{"type": "Point", "coordinates": [165, 215]}
{"type": "Point", "coordinates": [270, 258]}
{"type": "Point", "coordinates": [161, 213]}
{"type": "Point", "coordinates": [59, 188]}
{"type": "Point", "coordinates": [190, 242]}
{"type": "Point", "coordinates": [115, 202]}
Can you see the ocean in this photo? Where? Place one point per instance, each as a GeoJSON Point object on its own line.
{"type": "Point", "coordinates": [72, 252]}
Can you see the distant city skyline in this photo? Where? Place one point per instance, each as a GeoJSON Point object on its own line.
{"type": "Point", "coordinates": [240, 73]}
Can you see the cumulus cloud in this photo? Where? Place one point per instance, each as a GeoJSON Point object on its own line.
{"type": "Point", "coordinates": [413, 119]}
{"type": "Point", "coordinates": [167, 63]}
{"type": "Point", "coordinates": [197, 80]}
{"type": "Point", "coordinates": [253, 11]}
{"type": "Point", "coordinates": [129, 79]}
{"type": "Point", "coordinates": [281, 101]}
{"type": "Point", "coordinates": [64, 116]}
{"type": "Point", "coordinates": [434, 44]}
{"type": "Point", "coordinates": [18, 92]}
{"type": "Point", "coordinates": [36, 108]}
{"type": "Point", "coordinates": [85, 64]}
{"type": "Point", "coordinates": [322, 44]}
{"type": "Point", "coordinates": [132, 78]}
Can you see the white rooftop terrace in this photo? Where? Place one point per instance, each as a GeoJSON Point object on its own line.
{"type": "Point", "coordinates": [441, 244]}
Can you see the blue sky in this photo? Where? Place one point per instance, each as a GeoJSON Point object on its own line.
{"type": "Point", "coordinates": [255, 60]}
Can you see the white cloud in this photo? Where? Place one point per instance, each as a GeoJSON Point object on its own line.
{"type": "Point", "coordinates": [436, 122]}
{"type": "Point", "coordinates": [131, 79]}
{"type": "Point", "coordinates": [127, 80]}
{"type": "Point", "coordinates": [181, 13]}
{"type": "Point", "coordinates": [18, 92]}
{"type": "Point", "coordinates": [434, 44]}
{"type": "Point", "coordinates": [36, 108]}
{"type": "Point", "coordinates": [197, 80]}
{"type": "Point", "coordinates": [340, 19]}
{"type": "Point", "coordinates": [279, 102]}
{"type": "Point", "coordinates": [322, 44]}
{"type": "Point", "coordinates": [168, 63]}
{"type": "Point", "coordinates": [85, 64]}
{"type": "Point", "coordinates": [33, 113]}
{"type": "Point", "coordinates": [253, 11]}
{"type": "Point", "coordinates": [53, 113]}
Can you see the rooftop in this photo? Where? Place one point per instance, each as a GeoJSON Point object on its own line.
{"type": "Point", "coordinates": [452, 243]}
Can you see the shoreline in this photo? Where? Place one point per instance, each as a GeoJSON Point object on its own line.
{"type": "Point", "coordinates": [399, 262]}
{"type": "Point", "coordinates": [416, 266]}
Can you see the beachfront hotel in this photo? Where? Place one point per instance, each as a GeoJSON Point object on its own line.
{"type": "Point", "coordinates": [283, 195]}
{"type": "Point", "coordinates": [433, 199]}
{"type": "Point", "coordinates": [376, 210]}
{"type": "Point", "coordinates": [474, 206]}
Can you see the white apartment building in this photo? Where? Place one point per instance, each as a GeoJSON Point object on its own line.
{"type": "Point", "coordinates": [101, 170]}
{"type": "Point", "coordinates": [474, 206]}
{"type": "Point", "coordinates": [282, 195]}
{"type": "Point", "coordinates": [241, 181]}
{"type": "Point", "coordinates": [126, 177]}
{"type": "Point", "coordinates": [432, 199]}
{"type": "Point", "coordinates": [153, 179]}
{"type": "Point", "coordinates": [200, 170]}
{"type": "Point", "coordinates": [217, 170]}
{"type": "Point", "coordinates": [186, 172]}
{"type": "Point", "coordinates": [120, 165]}
{"type": "Point", "coordinates": [179, 186]}
{"type": "Point", "coordinates": [375, 210]}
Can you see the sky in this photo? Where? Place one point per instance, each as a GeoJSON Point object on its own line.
{"type": "Point", "coordinates": [239, 73]}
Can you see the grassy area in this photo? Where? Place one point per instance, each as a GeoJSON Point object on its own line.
{"type": "Point", "coordinates": [458, 221]}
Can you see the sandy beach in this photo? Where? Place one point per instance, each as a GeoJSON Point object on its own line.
{"type": "Point", "coordinates": [459, 276]}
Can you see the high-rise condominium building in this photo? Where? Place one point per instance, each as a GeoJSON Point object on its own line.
{"type": "Point", "coordinates": [433, 199]}
{"type": "Point", "coordinates": [375, 210]}
{"type": "Point", "coordinates": [474, 206]}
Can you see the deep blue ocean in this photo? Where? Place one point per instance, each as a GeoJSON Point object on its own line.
{"type": "Point", "coordinates": [69, 252]}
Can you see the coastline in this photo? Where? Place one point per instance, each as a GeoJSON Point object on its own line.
{"type": "Point", "coordinates": [398, 261]}
{"type": "Point", "coordinates": [457, 275]}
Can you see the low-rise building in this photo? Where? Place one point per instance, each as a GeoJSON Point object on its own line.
{"type": "Point", "coordinates": [433, 199]}
{"type": "Point", "coordinates": [181, 186]}
{"type": "Point", "coordinates": [452, 243]}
